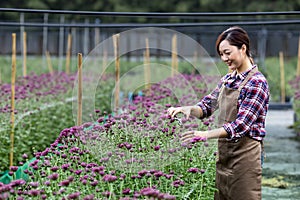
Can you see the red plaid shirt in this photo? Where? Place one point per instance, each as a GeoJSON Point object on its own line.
{"type": "Point", "coordinates": [253, 104]}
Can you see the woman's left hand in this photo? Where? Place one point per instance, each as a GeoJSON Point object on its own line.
{"type": "Point", "coordinates": [193, 136]}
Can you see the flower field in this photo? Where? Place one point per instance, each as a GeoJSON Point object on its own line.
{"type": "Point", "coordinates": [131, 153]}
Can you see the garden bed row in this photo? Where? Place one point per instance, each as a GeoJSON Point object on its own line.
{"type": "Point", "coordinates": [130, 154]}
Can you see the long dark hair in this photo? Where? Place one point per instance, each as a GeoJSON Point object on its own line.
{"type": "Point", "coordinates": [236, 36]}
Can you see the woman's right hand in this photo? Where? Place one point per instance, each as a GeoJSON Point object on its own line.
{"type": "Point", "coordinates": [186, 110]}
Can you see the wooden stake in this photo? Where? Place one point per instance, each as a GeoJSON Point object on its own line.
{"type": "Point", "coordinates": [49, 63]}
{"type": "Point", "coordinates": [12, 116]}
{"type": "Point", "coordinates": [68, 53]}
{"type": "Point", "coordinates": [282, 77]}
{"type": "Point", "coordinates": [24, 54]}
{"type": "Point", "coordinates": [174, 55]}
{"type": "Point", "coordinates": [147, 74]}
{"type": "Point", "coordinates": [298, 63]}
{"type": "Point", "coordinates": [116, 40]}
{"type": "Point", "coordinates": [79, 106]}
{"type": "Point", "coordinates": [104, 62]}
{"type": "Point", "coordinates": [195, 59]}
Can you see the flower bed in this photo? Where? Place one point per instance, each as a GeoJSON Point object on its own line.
{"type": "Point", "coordinates": [41, 112]}
{"type": "Point", "coordinates": [133, 154]}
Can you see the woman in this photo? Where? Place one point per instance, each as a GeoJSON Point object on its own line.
{"type": "Point", "coordinates": [242, 98]}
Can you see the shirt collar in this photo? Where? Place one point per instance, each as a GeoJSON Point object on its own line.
{"type": "Point", "coordinates": [241, 76]}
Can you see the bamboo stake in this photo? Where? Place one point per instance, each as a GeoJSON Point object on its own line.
{"type": "Point", "coordinates": [68, 53]}
{"type": "Point", "coordinates": [12, 116]}
{"type": "Point", "coordinates": [298, 63]}
{"type": "Point", "coordinates": [195, 59]}
{"type": "Point", "coordinates": [104, 62]}
{"type": "Point", "coordinates": [79, 106]}
{"type": "Point", "coordinates": [147, 74]}
{"type": "Point", "coordinates": [49, 63]}
{"type": "Point", "coordinates": [174, 55]}
{"type": "Point", "coordinates": [282, 78]}
{"type": "Point", "coordinates": [24, 54]}
{"type": "Point", "coordinates": [116, 40]}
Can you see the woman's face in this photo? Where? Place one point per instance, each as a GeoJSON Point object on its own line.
{"type": "Point", "coordinates": [231, 55]}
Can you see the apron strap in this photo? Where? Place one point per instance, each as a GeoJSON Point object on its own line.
{"type": "Point", "coordinates": [253, 71]}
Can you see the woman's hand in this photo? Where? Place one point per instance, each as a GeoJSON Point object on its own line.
{"type": "Point", "coordinates": [193, 136]}
{"type": "Point", "coordinates": [186, 110]}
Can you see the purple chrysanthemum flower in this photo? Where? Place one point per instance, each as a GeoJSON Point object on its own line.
{"type": "Point", "coordinates": [126, 191]}
{"type": "Point", "coordinates": [64, 183]}
{"type": "Point", "coordinates": [13, 168]}
{"type": "Point", "coordinates": [94, 183]}
{"type": "Point", "coordinates": [65, 166]}
{"type": "Point", "coordinates": [89, 197]}
{"type": "Point", "coordinates": [198, 139]}
{"type": "Point", "coordinates": [156, 148]}
{"type": "Point", "coordinates": [24, 156]}
{"type": "Point", "coordinates": [193, 170]}
{"type": "Point", "coordinates": [53, 176]}
{"type": "Point", "coordinates": [106, 193]}
{"type": "Point", "coordinates": [54, 168]}
{"type": "Point", "coordinates": [109, 178]}
{"type": "Point", "coordinates": [34, 192]}
{"type": "Point", "coordinates": [34, 184]}
{"type": "Point", "coordinates": [74, 195]}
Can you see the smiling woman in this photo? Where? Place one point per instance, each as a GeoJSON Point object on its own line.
{"type": "Point", "coordinates": [242, 96]}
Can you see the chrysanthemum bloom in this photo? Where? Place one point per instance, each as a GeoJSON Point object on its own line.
{"type": "Point", "coordinates": [193, 170]}
{"type": "Point", "coordinates": [47, 183]}
{"type": "Point", "coordinates": [74, 195]}
{"type": "Point", "coordinates": [34, 184]}
{"type": "Point", "coordinates": [65, 166]}
{"type": "Point", "coordinates": [54, 168]}
{"type": "Point", "coordinates": [34, 192]}
{"type": "Point", "coordinates": [24, 156]}
{"type": "Point", "coordinates": [156, 148]}
{"type": "Point", "coordinates": [94, 183]}
{"type": "Point", "coordinates": [109, 178]}
{"type": "Point", "coordinates": [178, 183]}
{"type": "Point", "coordinates": [64, 183]}
{"type": "Point", "coordinates": [126, 191]}
{"type": "Point", "coordinates": [150, 192]}
{"type": "Point", "coordinates": [53, 176]}
{"type": "Point", "coordinates": [198, 139]}
{"type": "Point", "coordinates": [106, 193]}
{"type": "Point", "coordinates": [13, 168]}
{"type": "Point", "coordinates": [89, 197]}
{"type": "Point", "coordinates": [78, 172]}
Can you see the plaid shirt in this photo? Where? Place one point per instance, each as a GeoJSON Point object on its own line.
{"type": "Point", "coordinates": [253, 104]}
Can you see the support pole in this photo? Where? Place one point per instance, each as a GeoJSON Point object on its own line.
{"type": "Point", "coordinates": [12, 116]}
{"type": "Point", "coordinates": [49, 63]}
{"type": "Point", "coordinates": [174, 55]}
{"type": "Point", "coordinates": [116, 40]}
{"type": "Point", "coordinates": [282, 77]}
{"type": "Point", "coordinates": [68, 53]}
{"type": "Point", "coordinates": [147, 74]}
{"type": "Point", "coordinates": [24, 54]}
{"type": "Point", "coordinates": [79, 105]}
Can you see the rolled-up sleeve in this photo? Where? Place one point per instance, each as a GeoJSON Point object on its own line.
{"type": "Point", "coordinates": [251, 107]}
{"type": "Point", "coordinates": [208, 103]}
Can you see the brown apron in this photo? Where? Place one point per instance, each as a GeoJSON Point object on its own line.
{"type": "Point", "coordinates": [238, 168]}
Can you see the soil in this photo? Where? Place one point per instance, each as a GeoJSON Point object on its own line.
{"type": "Point", "coordinates": [281, 169]}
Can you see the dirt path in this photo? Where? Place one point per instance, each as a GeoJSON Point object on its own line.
{"type": "Point", "coordinates": [281, 170]}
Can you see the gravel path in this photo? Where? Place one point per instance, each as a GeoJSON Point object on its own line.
{"type": "Point", "coordinates": [281, 170]}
